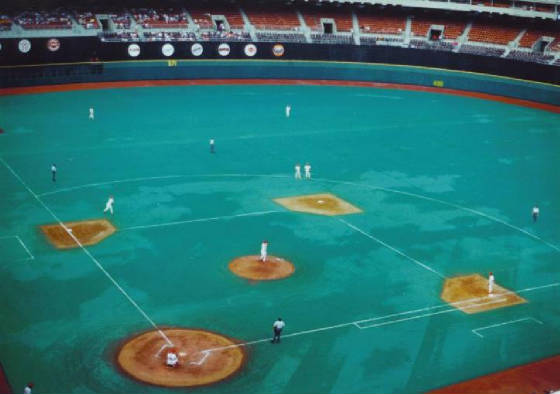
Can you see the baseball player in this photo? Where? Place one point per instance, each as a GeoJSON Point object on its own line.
{"type": "Point", "coordinates": [297, 173]}
{"type": "Point", "coordinates": [212, 146]}
{"type": "Point", "coordinates": [277, 329]}
{"type": "Point", "coordinates": [491, 285]}
{"type": "Point", "coordinates": [307, 168]}
{"type": "Point", "coordinates": [288, 111]}
{"type": "Point", "coordinates": [172, 359]}
{"type": "Point", "coordinates": [264, 247]}
{"type": "Point", "coordinates": [536, 212]}
{"type": "Point", "coordinates": [109, 205]}
{"type": "Point", "coordinates": [27, 389]}
{"type": "Point", "coordinates": [53, 172]}
{"type": "Point", "coordinates": [91, 114]}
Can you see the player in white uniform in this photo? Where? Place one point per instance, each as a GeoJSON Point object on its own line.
{"type": "Point", "coordinates": [264, 247]}
{"type": "Point", "coordinates": [109, 205]}
{"type": "Point", "coordinates": [53, 171]}
{"type": "Point", "coordinates": [27, 389]}
{"type": "Point", "coordinates": [491, 285]}
{"type": "Point", "coordinates": [172, 359]}
{"type": "Point", "coordinates": [91, 114]}
{"type": "Point", "coordinates": [536, 212]}
{"type": "Point", "coordinates": [212, 146]}
{"type": "Point", "coordinates": [288, 111]}
{"type": "Point", "coordinates": [307, 168]}
{"type": "Point", "coordinates": [297, 173]}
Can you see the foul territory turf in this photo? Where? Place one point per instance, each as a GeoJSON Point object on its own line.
{"type": "Point", "coordinates": [445, 183]}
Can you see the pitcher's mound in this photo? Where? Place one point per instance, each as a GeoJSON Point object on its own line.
{"type": "Point", "coordinates": [204, 358]}
{"type": "Point", "coordinates": [88, 232]}
{"type": "Point", "coordinates": [319, 204]}
{"type": "Point", "coordinates": [250, 267]}
{"type": "Point", "coordinates": [470, 294]}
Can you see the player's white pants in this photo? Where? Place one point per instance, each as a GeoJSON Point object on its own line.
{"type": "Point", "coordinates": [297, 175]}
{"type": "Point", "coordinates": [307, 175]}
{"type": "Point", "coordinates": [108, 208]}
{"type": "Point", "coordinates": [263, 256]}
{"type": "Point", "coordinates": [490, 287]}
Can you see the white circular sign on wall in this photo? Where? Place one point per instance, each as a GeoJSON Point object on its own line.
{"type": "Point", "coordinates": [167, 50]}
{"type": "Point", "coordinates": [133, 50]}
{"type": "Point", "coordinates": [197, 49]}
{"type": "Point", "coordinates": [53, 45]}
{"type": "Point", "coordinates": [223, 49]}
{"type": "Point", "coordinates": [24, 46]}
{"type": "Point", "coordinates": [278, 50]}
{"type": "Point", "coordinates": [250, 50]}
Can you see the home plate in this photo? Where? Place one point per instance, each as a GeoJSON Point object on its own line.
{"type": "Point", "coordinates": [320, 201]}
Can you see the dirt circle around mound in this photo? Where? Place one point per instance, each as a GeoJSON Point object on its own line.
{"type": "Point", "coordinates": [204, 357]}
{"type": "Point", "coordinates": [250, 267]}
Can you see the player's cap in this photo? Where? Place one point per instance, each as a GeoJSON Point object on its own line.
{"type": "Point", "coordinates": [491, 273]}
{"type": "Point", "coordinates": [30, 384]}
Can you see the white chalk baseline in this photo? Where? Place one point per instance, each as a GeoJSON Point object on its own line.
{"type": "Point", "coordinates": [29, 255]}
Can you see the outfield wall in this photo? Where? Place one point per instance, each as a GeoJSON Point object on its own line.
{"type": "Point", "coordinates": [520, 80]}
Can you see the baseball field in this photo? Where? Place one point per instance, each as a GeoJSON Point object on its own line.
{"type": "Point", "coordinates": [442, 185]}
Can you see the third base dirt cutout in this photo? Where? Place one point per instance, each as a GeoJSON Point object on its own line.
{"type": "Point", "coordinates": [88, 232]}
{"type": "Point", "coordinates": [250, 267]}
{"type": "Point", "coordinates": [204, 357]}
{"type": "Point", "coordinates": [470, 294]}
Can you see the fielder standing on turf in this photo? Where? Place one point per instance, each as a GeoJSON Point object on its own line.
{"type": "Point", "coordinates": [307, 168]}
{"type": "Point", "coordinates": [91, 115]}
{"type": "Point", "coordinates": [297, 173]}
{"type": "Point", "coordinates": [53, 171]}
{"type": "Point", "coordinates": [288, 111]}
{"type": "Point", "coordinates": [491, 285]}
{"type": "Point", "coordinates": [536, 212]}
{"type": "Point", "coordinates": [277, 328]}
{"type": "Point", "coordinates": [264, 247]}
{"type": "Point", "coordinates": [109, 205]}
{"type": "Point", "coordinates": [212, 146]}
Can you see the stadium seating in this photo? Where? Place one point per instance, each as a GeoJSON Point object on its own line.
{"type": "Point", "coordinates": [160, 18]}
{"type": "Point", "coordinates": [273, 19]}
{"type": "Point", "coordinates": [232, 15]}
{"type": "Point", "coordinates": [493, 34]}
{"type": "Point", "coordinates": [342, 18]}
{"type": "Point", "coordinates": [421, 25]}
{"type": "Point", "coordinates": [381, 24]}
{"type": "Point", "coordinates": [44, 20]}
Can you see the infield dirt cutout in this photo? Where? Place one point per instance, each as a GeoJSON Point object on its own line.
{"type": "Point", "coordinates": [204, 357]}
{"type": "Point", "coordinates": [319, 204]}
{"type": "Point", "coordinates": [470, 294]}
{"type": "Point", "coordinates": [88, 232]}
{"type": "Point", "coordinates": [250, 267]}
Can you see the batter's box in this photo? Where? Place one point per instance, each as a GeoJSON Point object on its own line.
{"type": "Point", "coordinates": [318, 204]}
{"type": "Point", "coordinates": [12, 249]}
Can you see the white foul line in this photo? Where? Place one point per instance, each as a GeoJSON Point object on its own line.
{"type": "Point", "coordinates": [476, 330]}
{"type": "Point", "coordinates": [108, 183]}
{"type": "Point", "coordinates": [357, 322]}
{"type": "Point", "coordinates": [31, 257]}
{"type": "Point", "coordinates": [260, 213]}
{"type": "Point", "coordinates": [457, 206]}
{"type": "Point", "coordinates": [87, 252]}
{"type": "Point", "coordinates": [392, 248]}
{"type": "Point", "coordinates": [409, 194]}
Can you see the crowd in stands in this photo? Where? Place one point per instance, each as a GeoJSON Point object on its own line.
{"type": "Point", "coordinates": [87, 20]}
{"type": "Point", "coordinates": [169, 36]}
{"type": "Point", "coordinates": [224, 36]}
{"type": "Point", "coordinates": [159, 18]}
{"type": "Point", "coordinates": [44, 20]}
{"type": "Point", "coordinates": [120, 20]}
{"type": "Point", "coordinates": [5, 23]}
{"type": "Point", "coordinates": [121, 36]}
